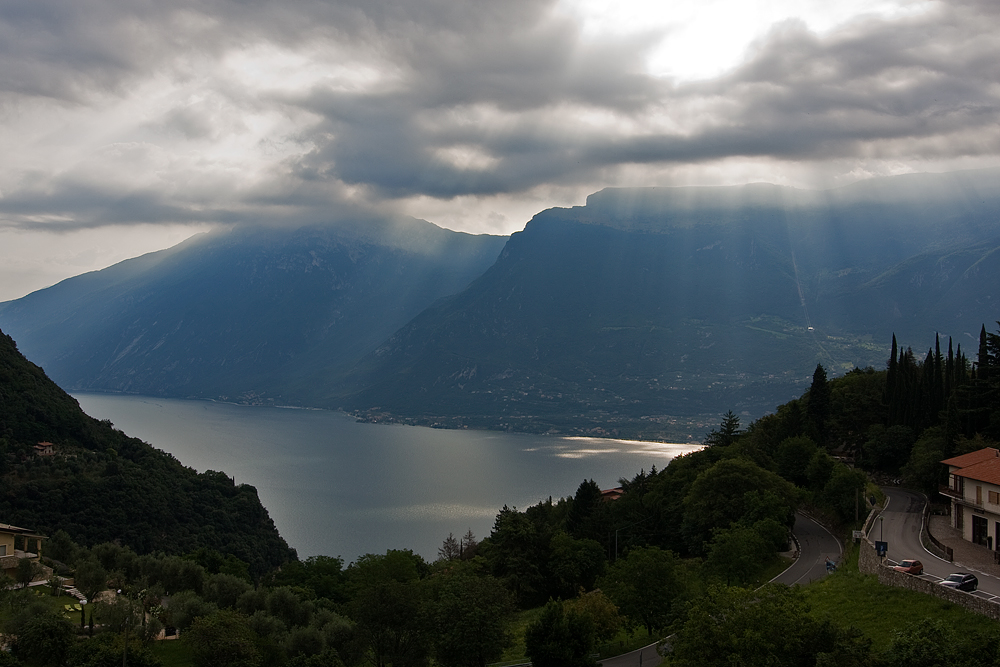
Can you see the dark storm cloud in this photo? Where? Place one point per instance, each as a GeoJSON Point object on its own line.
{"type": "Point", "coordinates": [481, 99]}
{"type": "Point", "coordinates": [918, 87]}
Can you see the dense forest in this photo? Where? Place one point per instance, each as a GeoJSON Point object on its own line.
{"type": "Point", "coordinates": [682, 551]}
{"type": "Point", "coordinates": [103, 486]}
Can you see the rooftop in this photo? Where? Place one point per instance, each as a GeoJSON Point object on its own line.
{"type": "Point", "coordinates": [987, 471]}
{"type": "Point", "coordinates": [972, 458]}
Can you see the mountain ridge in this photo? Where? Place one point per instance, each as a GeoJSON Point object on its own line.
{"type": "Point", "coordinates": [645, 313]}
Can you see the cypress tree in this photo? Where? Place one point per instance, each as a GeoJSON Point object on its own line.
{"type": "Point", "coordinates": [925, 393]}
{"type": "Point", "coordinates": [982, 367]}
{"type": "Point", "coordinates": [818, 408]}
{"type": "Point", "coordinates": [939, 396]}
{"type": "Point", "coordinates": [890, 384]}
{"type": "Point", "coordinates": [949, 372]}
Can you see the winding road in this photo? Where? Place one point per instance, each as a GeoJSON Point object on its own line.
{"type": "Point", "coordinates": [815, 543]}
{"type": "Point", "coordinates": [899, 525]}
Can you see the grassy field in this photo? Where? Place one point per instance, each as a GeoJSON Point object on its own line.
{"type": "Point", "coordinates": [849, 598]}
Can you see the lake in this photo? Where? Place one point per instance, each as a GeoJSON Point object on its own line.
{"type": "Point", "coordinates": [341, 488]}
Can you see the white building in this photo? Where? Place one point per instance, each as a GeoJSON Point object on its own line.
{"type": "Point", "coordinates": [974, 490]}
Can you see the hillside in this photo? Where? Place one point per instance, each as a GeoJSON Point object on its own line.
{"type": "Point", "coordinates": [650, 312]}
{"type": "Point", "coordinates": [103, 486]}
{"type": "Point", "coordinates": [254, 316]}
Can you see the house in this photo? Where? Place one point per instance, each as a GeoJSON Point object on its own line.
{"type": "Point", "coordinates": [12, 537]}
{"type": "Point", "coordinates": [45, 449]}
{"type": "Point", "coordinates": [974, 490]}
{"type": "Point", "coordinates": [612, 494]}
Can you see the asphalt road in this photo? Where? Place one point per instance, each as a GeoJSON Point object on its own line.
{"type": "Point", "coordinates": [816, 544]}
{"type": "Point", "coordinates": [899, 525]}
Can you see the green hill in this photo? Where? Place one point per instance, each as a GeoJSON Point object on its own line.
{"type": "Point", "coordinates": [103, 486]}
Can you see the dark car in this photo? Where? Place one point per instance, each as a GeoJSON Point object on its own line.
{"type": "Point", "coordinates": [963, 581]}
{"type": "Point", "coordinates": [910, 567]}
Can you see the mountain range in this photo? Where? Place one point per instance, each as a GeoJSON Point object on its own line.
{"type": "Point", "coordinates": [645, 313]}
{"type": "Point", "coordinates": [263, 315]}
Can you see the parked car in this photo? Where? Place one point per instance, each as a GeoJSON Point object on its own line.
{"type": "Point", "coordinates": [963, 581]}
{"type": "Point", "coordinates": [910, 567]}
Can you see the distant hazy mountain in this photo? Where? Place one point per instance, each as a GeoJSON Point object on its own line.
{"type": "Point", "coordinates": [646, 312]}
{"type": "Point", "coordinates": [650, 311]}
{"type": "Point", "coordinates": [248, 315]}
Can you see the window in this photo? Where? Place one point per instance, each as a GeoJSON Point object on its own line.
{"type": "Point", "coordinates": [3, 549]}
{"type": "Point", "coordinates": [994, 498]}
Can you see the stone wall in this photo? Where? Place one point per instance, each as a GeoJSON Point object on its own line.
{"type": "Point", "coordinates": [869, 563]}
{"type": "Point", "coordinates": [889, 577]}
{"type": "Point", "coordinates": [868, 560]}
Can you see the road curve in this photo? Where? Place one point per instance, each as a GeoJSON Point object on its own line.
{"type": "Point", "coordinates": [816, 544]}
{"type": "Point", "coordinates": [899, 526]}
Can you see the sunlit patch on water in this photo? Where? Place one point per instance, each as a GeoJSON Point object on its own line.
{"type": "Point", "coordinates": [583, 447]}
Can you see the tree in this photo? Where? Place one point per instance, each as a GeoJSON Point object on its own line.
{"type": "Point", "coordinates": [768, 627]}
{"type": "Point", "coordinates": [323, 575]}
{"type": "Point", "coordinates": [514, 554]}
{"type": "Point", "coordinates": [90, 578]}
{"type": "Point", "coordinates": [573, 563]}
{"type": "Point", "coordinates": [44, 640]}
{"type": "Point", "coordinates": [716, 499]}
{"type": "Point", "coordinates": [223, 639]}
{"type": "Point", "coordinates": [793, 458]}
{"type": "Point", "coordinates": [842, 491]}
{"type": "Point", "coordinates": [643, 585]}
{"type": "Point", "coordinates": [186, 607]}
{"type": "Point", "coordinates": [60, 547]}
{"type": "Point", "coordinates": [738, 555]}
{"type": "Point", "coordinates": [727, 433]}
{"type": "Point", "coordinates": [887, 449]}
{"type": "Point", "coordinates": [603, 613]}
{"type": "Point", "coordinates": [27, 570]}
{"type": "Point", "coordinates": [818, 406]}
{"type": "Point", "coordinates": [390, 608]}
{"type": "Point", "coordinates": [450, 549]}
{"type": "Point", "coordinates": [472, 616]}
{"type": "Point", "coordinates": [224, 590]}
{"type": "Point", "coordinates": [469, 545]}
{"type": "Point", "coordinates": [924, 470]}
{"type": "Point", "coordinates": [106, 649]}
{"type": "Point", "coordinates": [586, 502]}
{"type": "Point", "coordinates": [559, 638]}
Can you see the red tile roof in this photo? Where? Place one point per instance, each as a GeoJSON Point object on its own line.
{"type": "Point", "coordinates": [972, 458]}
{"type": "Point", "coordinates": [987, 471]}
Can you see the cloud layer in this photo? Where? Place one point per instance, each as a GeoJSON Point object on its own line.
{"type": "Point", "coordinates": [472, 114]}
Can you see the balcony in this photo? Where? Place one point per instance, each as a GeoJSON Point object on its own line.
{"type": "Point", "coordinates": [951, 493]}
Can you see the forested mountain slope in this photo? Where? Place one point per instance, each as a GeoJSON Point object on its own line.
{"type": "Point", "coordinates": [103, 486]}
{"type": "Point", "coordinates": [649, 312]}
{"type": "Point", "coordinates": [256, 315]}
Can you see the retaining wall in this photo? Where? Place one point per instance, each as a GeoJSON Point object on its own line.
{"type": "Point", "coordinates": [869, 563]}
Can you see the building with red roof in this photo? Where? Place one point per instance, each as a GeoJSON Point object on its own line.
{"type": "Point", "coordinates": [974, 490]}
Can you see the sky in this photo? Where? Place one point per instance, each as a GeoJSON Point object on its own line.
{"type": "Point", "coordinates": [129, 125]}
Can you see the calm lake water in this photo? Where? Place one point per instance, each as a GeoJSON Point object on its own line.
{"type": "Point", "coordinates": [340, 488]}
